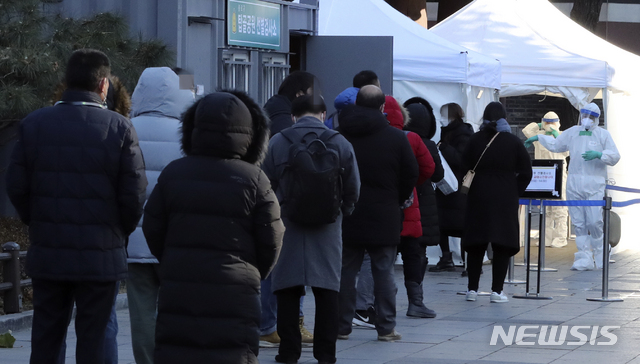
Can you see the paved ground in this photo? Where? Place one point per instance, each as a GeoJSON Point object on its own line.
{"type": "Point", "coordinates": [462, 331]}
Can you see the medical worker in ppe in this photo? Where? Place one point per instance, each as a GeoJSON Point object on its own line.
{"type": "Point", "coordinates": [557, 216]}
{"type": "Point", "coordinates": [592, 149]}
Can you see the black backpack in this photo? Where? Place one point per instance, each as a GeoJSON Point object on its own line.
{"type": "Point", "coordinates": [314, 179]}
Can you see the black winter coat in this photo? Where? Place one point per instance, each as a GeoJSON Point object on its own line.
{"type": "Point", "coordinates": [214, 224]}
{"type": "Point", "coordinates": [423, 123]}
{"type": "Point", "coordinates": [76, 177]}
{"type": "Point", "coordinates": [502, 175]}
{"type": "Point", "coordinates": [451, 208]}
{"type": "Point", "coordinates": [388, 173]}
{"type": "Point", "coordinates": [278, 108]}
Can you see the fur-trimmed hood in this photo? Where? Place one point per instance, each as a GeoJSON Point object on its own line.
{"type": "Point", "coordinates": [396, 113]}
{"type": "Point", "coordinates": [423, 121]}
{"type": "Point", "coordinates": [228, 125]}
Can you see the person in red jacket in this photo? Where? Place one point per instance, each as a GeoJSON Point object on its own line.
{"type": "Point", "coordinates": [413, 253]}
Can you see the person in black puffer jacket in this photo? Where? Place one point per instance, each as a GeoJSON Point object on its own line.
{"type": "Point", "coordinates": [423, 123]}
{"type": "Point", "coordinates": [76, 178]}
{"type": "Point", "coordinates": [454, 136]}
{"type": "Point", "coordinates": [278, 107]}
{"type": "Point", "coordinates": [214, 224]}
{"type": "Point", "coordinates": [388, 173]}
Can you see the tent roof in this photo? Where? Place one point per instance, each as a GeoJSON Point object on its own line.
{"type": "Point", "coordinates": [418, 55]}
{"type": "Point", "coordinates": [512, 31]}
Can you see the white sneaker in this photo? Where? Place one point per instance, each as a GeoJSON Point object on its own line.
{"type": "Point", "coordinates": [472, 295]}
{"type": "Point", "coordinates": [499, 297]}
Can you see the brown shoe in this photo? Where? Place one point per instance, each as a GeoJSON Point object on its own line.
{"type": "Point", "coordinates": [270, 341]}
{"type": "Point", "coordinates": [307, 337]}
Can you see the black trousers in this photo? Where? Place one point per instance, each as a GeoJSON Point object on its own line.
{"type": "Point", "coordinates": [325, 331]}
{"type": "Point", "coordinates": [52, 309]}
{"type": "Point", "coordinates": [499, 263]}
{"type": "Point", "coordinates": [414, 259]}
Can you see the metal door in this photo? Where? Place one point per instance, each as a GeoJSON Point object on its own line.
{"type": "Point", "coordinates": [336, 59]}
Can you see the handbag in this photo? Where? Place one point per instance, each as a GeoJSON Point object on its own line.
{"type": "Point", "coordinates": [468, 178]}
{"type": "Point", "coordinates": [449, 183]}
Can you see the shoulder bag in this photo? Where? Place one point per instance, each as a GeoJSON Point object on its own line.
{"type": "Point", "coordinates": [468, 178]}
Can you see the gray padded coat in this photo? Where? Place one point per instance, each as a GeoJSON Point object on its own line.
{"type": "Point", "coordinates": [156, 106]}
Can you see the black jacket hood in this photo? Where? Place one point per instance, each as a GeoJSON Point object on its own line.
{"type": "Point", "coordinates": [422, 122]}
{"type": "Point", "coordinates": [228, 125]}
{"type": "Point", "coordinates": [359, 120]}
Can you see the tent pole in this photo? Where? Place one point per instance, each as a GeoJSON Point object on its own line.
{"type": "Point", "coordinates": [605, 106]}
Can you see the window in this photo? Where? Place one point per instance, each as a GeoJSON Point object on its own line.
{"type": "Point", "coordinates": [235, 70]}
{"type": "Point", "coordinates": [274, 70]}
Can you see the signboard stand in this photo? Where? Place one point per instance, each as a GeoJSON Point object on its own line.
{"type": "Point", "coordinates": [536, 295]}
{"type": "Point", "coordinates": [541, 243]}
{"type": "Point", "coordinates": [545, 184]}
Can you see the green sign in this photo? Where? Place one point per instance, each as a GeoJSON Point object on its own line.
{"type": "Point", "coordinates": [253, 23]}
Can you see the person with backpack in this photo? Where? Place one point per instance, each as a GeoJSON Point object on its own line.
{"type": "Point", "coordinates": [278, 108]}
{"type": "Point", "coordinates": [314, 172]}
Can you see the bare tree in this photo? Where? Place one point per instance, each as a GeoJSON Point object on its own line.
{"type": "Point", "coordinates": [587, 13]}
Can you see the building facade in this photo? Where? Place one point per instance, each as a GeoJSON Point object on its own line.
{"type": "Point", "coordinates": [252, 52]}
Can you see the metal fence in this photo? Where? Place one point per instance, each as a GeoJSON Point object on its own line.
{"type": "Point", "coordinates": [11, 285]}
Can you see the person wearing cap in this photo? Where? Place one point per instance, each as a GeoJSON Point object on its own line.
{"type": "Point", "coordinates": [593, 150]}
{"type": "Point", "coordinates": [556, 222]}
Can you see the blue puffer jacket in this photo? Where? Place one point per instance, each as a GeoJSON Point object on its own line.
{"type": "Point", "coordinates": [76, 177]}
{"type": "Point", "coordinates": [346, 97]}
{"type": "Point", "coordinates": [157, 103]}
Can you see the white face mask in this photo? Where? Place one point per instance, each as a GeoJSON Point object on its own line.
{"type": "Point", "coordinates": [444, 116]}
{"type": "Point", "coordinates": [587, 123]}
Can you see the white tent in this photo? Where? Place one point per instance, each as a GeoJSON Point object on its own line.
{"type": "Point", "coordinates": [423, 63]}
{"type": "Point", "coordinates": [531, 63]}
{"type": "Point", "coordinates": [541, 48]}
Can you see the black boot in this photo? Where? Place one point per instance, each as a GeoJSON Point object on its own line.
{"type": "Point", "coordinates": [416, 307]}
{"type": "Point", "coordinates": [445, 264]}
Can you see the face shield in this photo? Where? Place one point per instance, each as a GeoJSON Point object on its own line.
{"type": "Point", "coordinates": [589, 116]}
{"type": "Point", "coordinates": [551, 121]}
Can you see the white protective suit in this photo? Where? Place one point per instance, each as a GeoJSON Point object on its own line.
{"type": "Point", "coordinates": [586, 181]}
{"type": "Point", "coordinates": [556, 220]}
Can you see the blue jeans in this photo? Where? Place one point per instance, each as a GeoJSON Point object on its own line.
{"type": "Point", "coordinates": [111, 333]}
